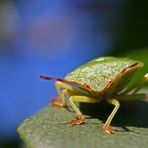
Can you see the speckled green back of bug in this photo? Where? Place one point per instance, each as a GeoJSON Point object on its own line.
{"type": "Point", "coordinates": [99, 72]}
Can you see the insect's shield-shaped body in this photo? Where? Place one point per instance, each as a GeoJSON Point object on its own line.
{"type": "Point", "coordinates": [102, 78]}
{"type": "Point", "coordinates": [105, 75]}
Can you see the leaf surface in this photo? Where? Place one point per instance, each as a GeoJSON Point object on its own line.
{"type": "Point", "coordinates": [50, 128]}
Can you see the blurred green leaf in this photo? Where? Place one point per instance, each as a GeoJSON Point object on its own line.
{"type": "Point", "coordinates": [50, 129]}
{"type": "Point", "coordinates": [141, 55]}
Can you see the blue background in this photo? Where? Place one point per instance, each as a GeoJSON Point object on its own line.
{"type": "Point", "coordinates": [42, 37]}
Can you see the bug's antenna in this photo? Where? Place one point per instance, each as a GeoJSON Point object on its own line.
{"type": "Point", "coordinates": [66, 81]}
{"type": "Point", "coordinates": [51, 78]}
{"type": "Point", "coordinates": [46, 78]}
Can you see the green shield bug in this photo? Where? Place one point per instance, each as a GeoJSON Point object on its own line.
{"type": "Point", "coordinates": [102, 78]}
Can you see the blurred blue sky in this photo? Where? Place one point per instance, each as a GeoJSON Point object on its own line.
{"type": "Point", "coordinates": [49, 38]}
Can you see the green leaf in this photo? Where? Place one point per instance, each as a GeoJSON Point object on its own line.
{"type": "Point", "coordinates": [50, 128]}
{"type": "Point", "coordinates": [137, 54]}
{"type": "Point", "coordinates": [140, 55]}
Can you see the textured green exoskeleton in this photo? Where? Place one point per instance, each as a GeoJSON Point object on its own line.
{"type": "Point", "coordinates": [102, 78]}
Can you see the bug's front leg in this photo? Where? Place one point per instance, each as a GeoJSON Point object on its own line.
{"type": "Point", "coordinates": [75, 108]}
{"type": "Point", "coordinates": [63, 89]}
{"type": "Point", "coordinates": [106, 126]}
{"type": "Point", "coordinates": [59, 101]}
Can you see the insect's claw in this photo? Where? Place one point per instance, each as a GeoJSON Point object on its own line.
{"type": "Point", "coordinates": [58, 105]}
{"type": "Point", "coordinates": [77, 122]}
{"type": "Point", "coordinates": [55, 103]}
{"type": "Point", "coordinates": [108, 130]}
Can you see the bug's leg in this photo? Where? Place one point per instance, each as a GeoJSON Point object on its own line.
{"type": "Point", "coordinates": [141, 83]}
{"type": "Point", "coordinates": [137, 86]}
{"type": "Point", "coordinates": [75, 108]}
{"type": "Point", "coordinates": [59, 101]}
{"type": "Point", "coordinates": [109, 119]}
{"type": "Point", "coordinates": [132, 97]}
{"type": "Point", "coordinates": [63, 89]}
